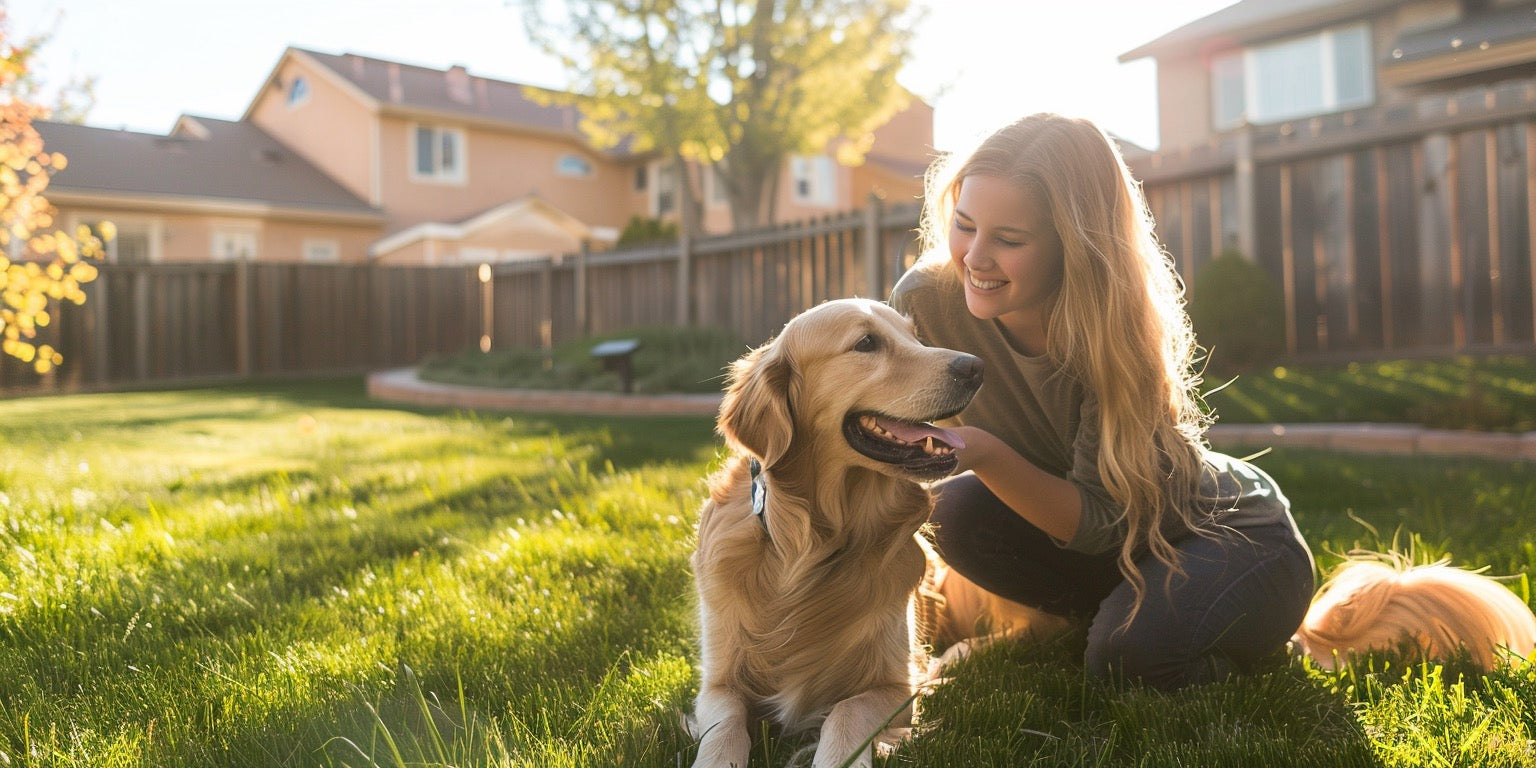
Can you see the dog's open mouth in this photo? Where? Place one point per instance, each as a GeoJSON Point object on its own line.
{"type": "Point", "coordinates": [920, 449]}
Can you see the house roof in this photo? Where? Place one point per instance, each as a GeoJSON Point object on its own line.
{"type": "Point", "coordinates": [528, 214]}
{"type": "Point", "coordinates": [202, 160]}
{"type": "Point", "coordinates": [1249, 21]}
{"type": "Point", "coordinates": [453, 91]}
{"type": "Point", "coordinates": [1480, 31]}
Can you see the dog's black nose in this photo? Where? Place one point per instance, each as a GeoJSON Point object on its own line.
{"type": "Point", "coordinates": [966, 369]}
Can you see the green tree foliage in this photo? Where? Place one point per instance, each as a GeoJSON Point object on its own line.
{"type": "Point", "coordinates": [1238, 314]}
{"type": "Point", "coordinates": [740, 85]}
{"type": "Point", "coordinates": [53, 265]}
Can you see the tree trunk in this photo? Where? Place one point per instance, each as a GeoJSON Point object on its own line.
{"type": "Point", "coordinates": [688, 208]}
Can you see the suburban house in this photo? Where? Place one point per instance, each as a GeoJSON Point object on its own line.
{"type": "Point", "coordinates": [1376, 157]}
{"type": "Point", "coordinates": [341, 158]}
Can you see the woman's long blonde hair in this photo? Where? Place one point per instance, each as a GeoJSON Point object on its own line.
{"type": "Point", "coordinates": [1117, 323]}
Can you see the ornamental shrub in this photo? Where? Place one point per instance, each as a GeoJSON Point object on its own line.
{"type": "Point", "coordinates": [1238, 314]}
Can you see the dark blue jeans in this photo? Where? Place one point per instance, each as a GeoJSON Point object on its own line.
{"type": "Point", "coordinates": [1242, 594]}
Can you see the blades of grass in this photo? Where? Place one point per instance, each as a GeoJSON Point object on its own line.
{"type": "Point", "coordinates": [870, 740]}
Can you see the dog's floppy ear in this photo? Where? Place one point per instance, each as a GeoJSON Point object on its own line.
{"type": "Point", "coordinates": [756, 414]}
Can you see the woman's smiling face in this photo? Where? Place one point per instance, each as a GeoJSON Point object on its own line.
{"type": "Point", "coordinates": [1008, 254]}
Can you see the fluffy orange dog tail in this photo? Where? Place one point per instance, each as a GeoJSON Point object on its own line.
{"type": "Point", "coordinates": [1381, 602]}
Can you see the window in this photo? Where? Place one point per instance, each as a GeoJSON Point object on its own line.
{"type": "Point", "coordinates": [573, 165]}
{"type": "Point", "coordinates": [814, 179]}
{"type": "Point", "coordinates": [298, 91]}
{"type": "Point", "coordinates": [233, 245]}
{"type": "Point", "coordinates": [136, 240]}
{"type": "Point", "coordinates": [717, 192]}
{"type": "Point", "coordinates": [438, 154]}
{"type": "Point", "coordinates": [322, 251]}
{"type": "Point", "coordinates": [666, 189]}
{"type": "Point", "coordinates": [130, 247]}
{"type": "Point", "coordinates": [640, 179]}
{"type": "Point", "coordinates": [1310, 75]}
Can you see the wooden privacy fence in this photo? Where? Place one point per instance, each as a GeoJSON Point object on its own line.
{"type": "Point", "coordinates": [152, 324]}
{"type": "Point", "coordinates": [1406, 230]}
{"type": "Point", "coordinates": [1401, 230]}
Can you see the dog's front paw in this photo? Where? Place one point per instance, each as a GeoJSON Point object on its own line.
{"type": "Point", "coordinates": [954, 654]}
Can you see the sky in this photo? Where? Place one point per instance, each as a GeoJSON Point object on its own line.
{"type": "Point", "coordinates": [980, 63]}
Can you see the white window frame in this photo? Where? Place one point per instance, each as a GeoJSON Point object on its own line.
{"type": "Point", "coordinates": [717, 196]}
{"type": "Point", "coordinates": [322, 250]}
{"type": "Point", "coordinates": [663, 188]}
{"type": "Point", "coordinates": [439, 174]}
{"type": "Point", "coordinates": [1327, 89]}
{"type": "Point", "coordinates": [152, 229]}
{"type": "Point", "coordinates": [813, 180]}
{"type": "Point", "coordinates": [234, 242]}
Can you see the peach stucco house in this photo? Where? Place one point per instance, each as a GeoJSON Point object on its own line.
{"type": "Point", "coordinates": [347, 158]}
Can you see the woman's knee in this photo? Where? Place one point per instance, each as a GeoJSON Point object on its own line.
{"type": "Point", "coordinates": [1123, 655]}
{"type": "Point", "coordinates": [961, 508]}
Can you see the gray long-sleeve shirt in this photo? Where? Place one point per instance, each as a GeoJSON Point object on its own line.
{"type": "Point", "coordinates": [1052, 419]}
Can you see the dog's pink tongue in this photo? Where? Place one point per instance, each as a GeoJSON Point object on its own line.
{"type": "Point", "coordinates": [917, 433]}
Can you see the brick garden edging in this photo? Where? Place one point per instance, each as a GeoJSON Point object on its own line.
{"type": "Point", "coordinates": [403, 386]}
{"type": "Point", "coordinates": [1394, 439]}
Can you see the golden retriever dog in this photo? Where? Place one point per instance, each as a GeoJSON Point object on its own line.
{"type": "Point", "coordinates": [1381, 602]}
{"type": "Point", "coordinates": [808, 554]}
{"type": "Point", "coordinates": [961, 617]}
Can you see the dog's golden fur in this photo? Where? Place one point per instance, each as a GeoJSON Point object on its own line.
{"type": "Point", "coordinates": [1375, 602]}
{"type": "Point", "coordinates": [809, 611]}
{"type": "Point", "coordinates": [806, 611]}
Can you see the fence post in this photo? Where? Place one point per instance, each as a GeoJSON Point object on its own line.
{"type": "Point", "coordinates": [547, 305]}
{"type": "Point", "coordinates": [872, 273]}
{"type": "Point", "coordinates": [579, 287]}
{"type": "Point", "coordinates": [1245, 180]}
{"type": "Point", "coordinates": [243, 325]}
{"type": "Point", "coordinates": [141, 323]}
{"type": "Point", "coordinates": [101, 344]}
{"type": "Point", "coordinates": [684, 280]}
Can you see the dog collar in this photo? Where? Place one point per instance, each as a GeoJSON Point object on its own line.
{"type": "Point", "coordinates": [759, 492]}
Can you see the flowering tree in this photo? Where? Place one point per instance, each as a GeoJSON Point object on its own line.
{"type": "Point", "coordinates": [39, 265]}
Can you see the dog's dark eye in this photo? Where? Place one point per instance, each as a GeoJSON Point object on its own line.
{"type": "Point", "coordinates": [866, 343]}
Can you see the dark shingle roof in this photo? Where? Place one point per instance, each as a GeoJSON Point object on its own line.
{"type": "Point", "coordinates": [1252, 20]}
{"type": "Point", "coordinates": [1502, 26]}
{"type": "Point", "coordinates": [209, 159]}
{"type": "Point", "coordinates": [453, 91]}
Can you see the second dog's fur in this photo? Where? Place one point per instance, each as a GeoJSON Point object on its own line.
{"type": "Point", "coordinates": [1381, 602]}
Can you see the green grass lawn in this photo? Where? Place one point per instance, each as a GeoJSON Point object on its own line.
{"type": "Point", "coordinates": [291, 575]}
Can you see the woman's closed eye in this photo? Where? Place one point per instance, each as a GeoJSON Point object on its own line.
{"type": "Point", "coordinates": [970, 229]}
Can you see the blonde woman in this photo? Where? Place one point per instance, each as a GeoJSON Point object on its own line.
{"type": "Point", "coordinates": [1088, 490]}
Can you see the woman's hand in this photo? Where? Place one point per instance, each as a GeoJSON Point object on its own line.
{"type": "Point", "coordinates": [980, 446]}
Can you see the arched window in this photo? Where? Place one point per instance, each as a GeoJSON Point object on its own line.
{"type": "Point", "coordinates": [298, 91]}
{"type": "Point", "coordinates": [573, 165]}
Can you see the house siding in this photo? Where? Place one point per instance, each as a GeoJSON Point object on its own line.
{"type": "Point", "coordinates": [501, 166]}
{"type": "Point", "coordinates": [181, 237]}
{"type": "Point", "coordinates": [345, 149]}
{"type": "Point", "coordinates": [356, 140]}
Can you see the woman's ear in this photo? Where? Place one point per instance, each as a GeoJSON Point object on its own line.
{"type": "Point", "coordinates": [756, 415]}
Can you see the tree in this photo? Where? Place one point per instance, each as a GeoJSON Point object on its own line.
{"type": "Point", "coordinates": [739, 85]}
{"type": "Point", "coordinates": [72, 100]}
{"type": "Point", "coordinates": [53, 265]}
